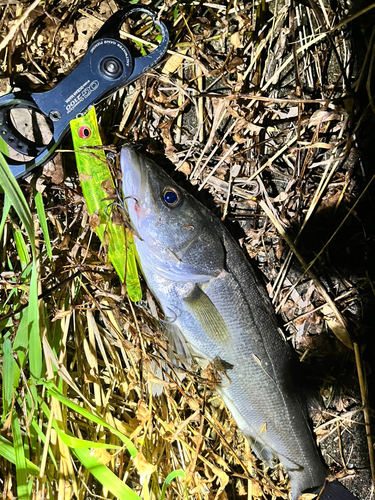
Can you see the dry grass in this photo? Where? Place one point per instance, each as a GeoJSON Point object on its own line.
{"type": "Point", "coordinates": [259, 106]}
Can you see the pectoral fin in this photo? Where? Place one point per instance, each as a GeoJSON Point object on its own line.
{"type": "Point", "coordinates": [207, 315]}
{"type": "Point", "coordinates": [178, 344]}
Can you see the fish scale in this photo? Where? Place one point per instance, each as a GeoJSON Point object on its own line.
{"type": "Point", "coordinates": [198, 274]}
{"type": "Point", "coordinates": [260, 380]}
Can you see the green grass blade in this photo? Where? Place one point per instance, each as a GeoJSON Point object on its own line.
{"type": "Point", "coordinates": [9, 262]}
{"type": "Point", "coordinates": [11, 299]}
{"type": "Point", "coordinates": [76, 443]}
{"type": "Point", "coordinates": [5, 213]}
{"type": "Point", "coordinates": [105, 476]}
{"type": "Point", "coordinates": [43, 222]}
{"type": "Point", "coordinates": [21, 340]}
{"type": "Point", "coordinates": [8, 376]}
{"type": "Point", "coordinates": [7, 452]}
{"type": "Point", "coordinates": [28, 332]}
{"type": "Point", "coordinates": [169, 478]}
{"type": "Point", "coordinates": [5, 323]}
{"type": "Point", "coordinates": [31, 399]}
{"type": "Point", "coordinates": [23, 254]}
{"type": "Point", "coordinates": [52, 390]}
{"type": "Point", "coordinates": [35, 346]}
{"type": "Point", "coordinates": [17, 199]}
{"type": "Point", "coordinates": [20, 459]}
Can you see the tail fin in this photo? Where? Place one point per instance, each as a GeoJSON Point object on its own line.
{"type": "Point", "coordinates": [336, 491]}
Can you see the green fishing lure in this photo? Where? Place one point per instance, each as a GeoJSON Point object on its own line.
{"type": "Point", "coordinates": [96, 178]}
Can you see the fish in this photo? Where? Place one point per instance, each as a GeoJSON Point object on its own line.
{"type": "Point", "coordinates": [202, 280]}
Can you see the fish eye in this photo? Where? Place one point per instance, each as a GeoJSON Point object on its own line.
{"type": "Point", "coordinates": [172, 197]}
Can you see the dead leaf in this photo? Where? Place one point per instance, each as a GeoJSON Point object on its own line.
{"type": "Point", "coordinates": [143, 411]}
{"type": "Point", "coordinates": [235, 40]}
{"type": "Point", "coordinates": [195, 417]}
{"type": "Point", "coordinates": [39, 185]}
{"type": "Point", "coordinates": [186, 168]}
{"type": "Point", "coordinates": [172, 111]}
{"type": "Point", "coordinates": [170, 153]}
{"type": "Point", "coordinates": [84, 177]}
{"type": "Point", "coordinates": [220, 461]}
{"type": "Point", "coordinates": [174, 62]}
{"type": "Point", "coordinates": [64, 245]}
{"type": "Point", "coordinates": [143, 467]}
{"type": "Point", "coordinates": [281, 197]}
{"type": "Point", "coordinates": [126, 344]}
{"type": "Point", "coordinates": [166, 133]}
{"type": "Point", "coordinates": [243, 124]}
{"type": "Point", "coordinates": [321, 116]}
{"type": "Point", "coordinates": [85, 28]}
{"type": "Point", "coordinates": [193, 404]}
{"type": "Point", "coordinates": [116, 217]}
{"type": "Point", "coordinates": [239, 138]}
{"type": "Point", "coordinates": [256, 489]}
{"type": "Point", "coordinates": [66, 36]}
{"type": "Point", "coordinates": [102, 455]}
{"type": "Point", "coordinates": [54, 170]}
{"type": "Point", "coordinates": [61, 315]}
{"type": "Point", "coordinates": [234, 63]}
{"type": "Point", "coordinates": [223, 479]}
{"type": "Point", "coordinates": [107, 186]}
{"type": "Point", "coordinates": [211, 375]}
{"type": "Point", "coordinates": [123, 427]}
{"type": "Point", "coordinates": [94, 220]}
{"type": "Point", "coordinates": [220, 107]}
{"type": "Point", "coordinates": [316, 145]}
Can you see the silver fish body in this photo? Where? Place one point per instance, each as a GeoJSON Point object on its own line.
{"type": "Point", "coordinates": [198, 274]}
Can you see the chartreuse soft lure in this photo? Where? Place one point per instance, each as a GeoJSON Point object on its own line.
{"type": "Point", "coordinates": [96, 179]}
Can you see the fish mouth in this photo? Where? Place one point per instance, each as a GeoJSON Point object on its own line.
{"type": "Point", "coordinates": [135, 184]}
{"type": "Point", "coordinates": [131, 173]}
{"type": "Point", "coordinates": [141, 208]}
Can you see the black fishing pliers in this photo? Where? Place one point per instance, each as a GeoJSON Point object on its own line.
{"type": "Point", "coordinates": [106, 67]}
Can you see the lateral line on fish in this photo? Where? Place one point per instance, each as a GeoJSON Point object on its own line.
{"type": "Point", "coordinates": [258, 361]}
{"type": "Point", "coordinates": [212, 420]}
{"type": "Point", "coordinates": [302, 451]}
